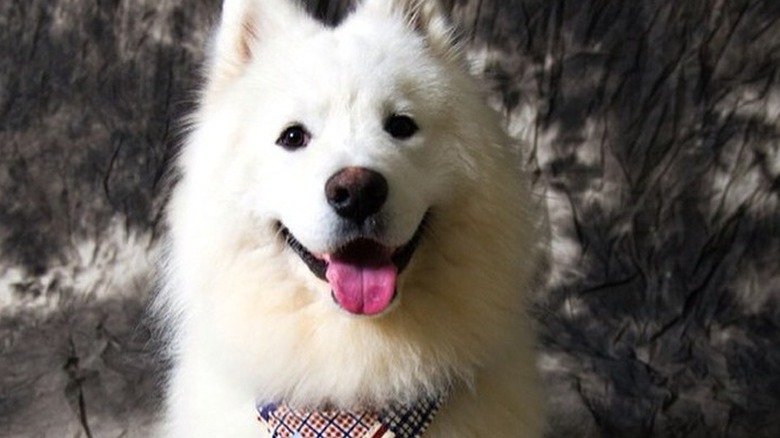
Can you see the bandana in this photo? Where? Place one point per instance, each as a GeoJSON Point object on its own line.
{"type": "Point", "coordinates": [393, 422]}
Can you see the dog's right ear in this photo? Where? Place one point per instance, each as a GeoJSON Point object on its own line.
{"type": "Point", "coordinates": [244, 25]}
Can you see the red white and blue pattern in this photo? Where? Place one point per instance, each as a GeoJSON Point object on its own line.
{"type": "Point", "coordinates": [394, 422]}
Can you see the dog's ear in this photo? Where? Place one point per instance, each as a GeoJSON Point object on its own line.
{"type": "Point", "coordinates": [244, 25]}
{"type": "Point", "coordinates": [424, 16]}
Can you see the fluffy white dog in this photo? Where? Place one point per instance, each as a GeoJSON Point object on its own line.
{"type": "Point", "coordinates": [351, 239]}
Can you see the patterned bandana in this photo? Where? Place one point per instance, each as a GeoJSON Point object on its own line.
{"type": "Point", "coordinates": [394, 422]}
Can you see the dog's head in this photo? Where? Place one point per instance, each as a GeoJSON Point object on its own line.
{"type": "Point", "coordinates": [343, 140]}
{"type": "Point", "coordinates": [343, 143]}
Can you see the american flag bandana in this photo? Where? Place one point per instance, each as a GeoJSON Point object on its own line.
{"type": "Point", "coordinates": [394, 422]}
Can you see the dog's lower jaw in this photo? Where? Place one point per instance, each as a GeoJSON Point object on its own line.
{"type": "Point", "coordinates": [362, 272]}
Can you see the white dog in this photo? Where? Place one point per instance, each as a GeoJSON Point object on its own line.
{"type": "Point", "coordinates": [351, 240]}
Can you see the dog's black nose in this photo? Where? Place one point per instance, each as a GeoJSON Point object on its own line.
{"type": "Point", "coordinates": [356, 193]}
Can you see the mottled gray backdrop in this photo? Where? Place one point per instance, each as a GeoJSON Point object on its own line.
{"type": "Point", "coordinates": [651, 127]}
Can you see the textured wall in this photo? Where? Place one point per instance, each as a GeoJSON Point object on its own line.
{"type": "Point", "coordinates": [89, 97]}
{"type": "Point", "coordinates": [652, 129]}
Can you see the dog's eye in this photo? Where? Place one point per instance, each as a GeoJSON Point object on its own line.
{"type": "Point", "coordinates": [294, 137]}
{"type": "Point", "coordinates": [400, 126]}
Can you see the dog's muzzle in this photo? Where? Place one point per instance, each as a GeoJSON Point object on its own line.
{"type": "Point", "coordinates": [362, 272]}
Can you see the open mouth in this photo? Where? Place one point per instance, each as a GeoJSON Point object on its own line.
{"type": "Point", "coordinates": [362, 273]}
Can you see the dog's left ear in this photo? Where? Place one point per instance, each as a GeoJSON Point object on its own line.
{"type": "Point", "coordinates": [424, 16]}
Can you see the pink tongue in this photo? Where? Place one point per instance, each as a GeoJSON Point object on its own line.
{"type": "Point", "coordinates": [362, 289]}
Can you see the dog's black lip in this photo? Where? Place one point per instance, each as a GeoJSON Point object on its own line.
{"type": "Point", "coordinates": [319, 267]}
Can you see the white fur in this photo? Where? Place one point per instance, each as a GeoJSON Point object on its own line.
{"type": "Point", "coordinates": [250, 321]}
